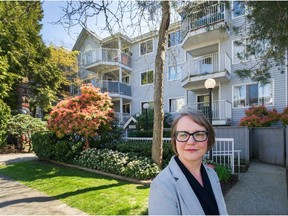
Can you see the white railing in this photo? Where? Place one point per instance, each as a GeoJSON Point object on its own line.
{"type": "Point", "coordinates": [104, 54]}
{"type": "Point", "coordinates": [212, 63]}
{"type": "Point", "coordinates": [221, 110]}
{"type": "Point", "coordinates": [122, 117]}
{"type": "Point", "coordinates": [201, 18]}
{"type": "Point", "coordinates": [223, 151]}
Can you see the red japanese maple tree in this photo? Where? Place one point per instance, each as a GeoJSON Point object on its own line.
{"type": "Point", "coordinates": [82, 114]}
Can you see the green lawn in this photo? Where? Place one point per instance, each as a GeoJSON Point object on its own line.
{"type": "Point", "coordinates": [89, 192]}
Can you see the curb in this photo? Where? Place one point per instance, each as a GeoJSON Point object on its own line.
{"type": "Point", "coordinates": [123, 178]}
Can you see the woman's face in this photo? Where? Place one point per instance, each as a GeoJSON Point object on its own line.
{"type": "Point", "coordinates": [191, 150]}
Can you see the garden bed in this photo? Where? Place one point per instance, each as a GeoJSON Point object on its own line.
{"type": "Point", "coordinates": [226, 186]}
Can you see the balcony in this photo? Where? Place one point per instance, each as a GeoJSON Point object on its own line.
{"type": "Point", "coordinates": [197, 70]}
{"type": "Point", "coordinates": [221, 111]}
{"type": "Point", "coordinates": [115, 88]}
{"type": "Point", "coordinates": [205, 25]}
{"type": "Point", "coordinates": [122, 117]}
{"type": "Point", "coordinates": [104, 56]}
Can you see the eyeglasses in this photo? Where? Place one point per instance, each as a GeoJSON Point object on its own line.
{"type": "Point", "coordinates": [198, 136]}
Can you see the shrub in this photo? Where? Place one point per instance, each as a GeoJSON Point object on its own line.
{"type": "Point", "coordinates": [141, 120]}
{"type": "Point", "coordinates": [140, 149]}
{"type": "Point", "coordinates": [23, 126]}
{"type": "Point", "coordinates": [118, 163]}
{"type": "Point", "coordinates": [147, 133]}
{"type": "Point", "coordinates": [223, 172]}
{"type": "Point", "coordinates": [259, 117]}
{"type": "Point", "coordinates": [107, 134]}
{"type": "Point", "coordinates": [284, 116]}
{"type": "Point", "coordinates": [5, 116]}
{"type": "Point", "coordinates": [43, 144]}
{"type": "Point", "coordinates": [46, 145]}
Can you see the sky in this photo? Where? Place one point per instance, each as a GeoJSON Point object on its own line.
{"type": "Point", "coordinates": [55, 33]}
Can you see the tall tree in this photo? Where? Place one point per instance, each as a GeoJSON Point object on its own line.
{"type": "Point", "coordinates": [268, 37]}
{"type": "Point", "coordinates": [78, 13]}
{"type": "Point", "coordinates": [26, 55]}
{"type": "Point", "coordinates": [157, 144]}
{"type": "Point", "coordinates": [66, 62]}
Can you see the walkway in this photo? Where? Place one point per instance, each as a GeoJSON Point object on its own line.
{"type": "Point", "coordinates": [17, 199]}
{"type": "Point", "coordinates": [260, 191]}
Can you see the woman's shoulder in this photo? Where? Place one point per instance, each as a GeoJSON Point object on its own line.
{"type": "Point", "coordinates": [166, 174]}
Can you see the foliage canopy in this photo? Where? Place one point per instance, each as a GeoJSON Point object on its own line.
{"type": "Point", "coordinates": [83, 114]}
{"type": "Point", "coordinates": [268, 37]}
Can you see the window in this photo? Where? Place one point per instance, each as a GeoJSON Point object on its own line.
{"type": "Point", "coordinates": [176, 104]}
{"type": "Point", "coordinates": [203, 104]}
{"type": "Point", "coordinates": [126, 108]}
{"type": "Point", "coordinates": [253, 95]}
{"type": "Point", "coordinates": [174, 39]}
{"type": "Point", "coordinates": [246, 49]}
{"type": "Point", "coordinates": [238, 8]}
{"type": "Point", "coordinates": [174, 72]}
{"type": "Point", "coordinates": [89, 57]}
{"type": "Point", "coordinates": [146, 47]}
{"type": "Point", "coordinates": [126, 79]}
{"type": "Point", "coordinates": [147, 77]}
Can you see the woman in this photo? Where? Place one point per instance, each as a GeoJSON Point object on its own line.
{"type": "Point", "coordinates": [186, 186]}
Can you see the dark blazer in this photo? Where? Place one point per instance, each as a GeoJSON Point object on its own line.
{"type": "Point", "coordinates": [171, 193]}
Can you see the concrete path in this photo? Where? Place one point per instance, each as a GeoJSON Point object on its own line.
{"type": "Point", "coordinates": [17, 199]}
{"type": "Point", "coordinates": [260, 191]}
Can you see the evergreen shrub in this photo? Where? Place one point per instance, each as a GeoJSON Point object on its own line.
{"type": "Point", "coordinates": [5, 116]}
{"type": "Point", "coordinates": [46, 145]}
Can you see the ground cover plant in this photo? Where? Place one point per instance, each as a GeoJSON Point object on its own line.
{"type": "Point", "coordinates": [89, 192]}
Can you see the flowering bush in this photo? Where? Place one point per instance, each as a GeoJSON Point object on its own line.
{"type": "Point", "coordinates": [259, 117]}
{"type": "Point", "coordinates": [117, 163]}
{"type": "Point", "coordinates": [82, 115]}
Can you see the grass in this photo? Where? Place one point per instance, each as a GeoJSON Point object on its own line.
{"type": "Point", "coordinates": [89, 192]}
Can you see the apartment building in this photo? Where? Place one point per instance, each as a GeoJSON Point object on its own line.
{"type": "Point", "coordinates": [198, 49]}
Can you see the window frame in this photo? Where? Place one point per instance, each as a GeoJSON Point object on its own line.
{"type": "Point", "coordinates": [178, 37]}
{"type": "Point", "coordinates": [145, 42]}
{"type": "Point", "coordinates": [246, 105]}
{"type": "Point", "coordinates": [179, 75]}
{"type": "Point", "coordinates": [175, 98]}
{"type": "Point", "coordinates": [233, 12]}
{"type": "Point", "coordinates": [147, 78]}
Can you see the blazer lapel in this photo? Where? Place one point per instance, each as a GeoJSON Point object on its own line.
{"type": "Point", "coordinates": [217, 192]}
{"type": "Point", "coordinates": [184, 189]}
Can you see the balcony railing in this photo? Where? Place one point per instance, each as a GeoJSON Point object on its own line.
{"type": "Point", "coordinates": [104, 55]}
{"type": "Point", "coordinates": [221, 110]}
{"type": "Point", "coordinates": [122, 117]}
{"type": "Point", "coordinates": [209, 15]}
{"type": "Point", "coordinates": [212, 63]}
{"type": "Point", "coordinates": [114, 87]}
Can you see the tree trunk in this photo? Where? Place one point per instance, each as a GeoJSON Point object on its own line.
{"type": "Point", "coordinates": [157, 144]}
{"type": "Point", "coordinates": [86, 145]}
